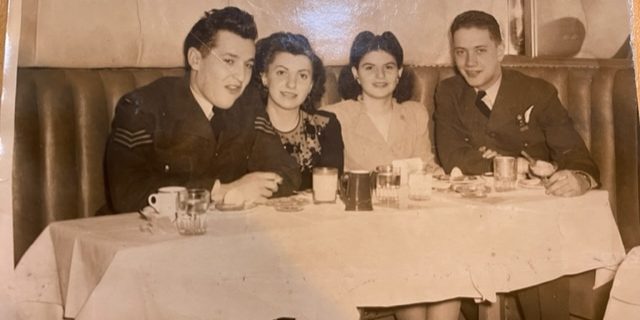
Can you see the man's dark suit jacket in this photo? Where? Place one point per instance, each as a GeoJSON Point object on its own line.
{"type": "Point", "coordinates": [527, 115]}
{"type": "Point", "coordinates": [161, 137]}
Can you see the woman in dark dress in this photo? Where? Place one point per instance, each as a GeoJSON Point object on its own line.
{"type": "Point", "coordinates": [291, 79]}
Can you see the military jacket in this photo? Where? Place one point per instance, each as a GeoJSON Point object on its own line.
{"type": "Point", "coordinates": [527, 115]}
{"type": "Point", "coordinates": [161, 137]}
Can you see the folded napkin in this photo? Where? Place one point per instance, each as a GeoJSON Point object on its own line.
{"type": "Point", "coordinates": [407, 166]}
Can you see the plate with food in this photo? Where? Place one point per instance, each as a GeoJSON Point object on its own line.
{"type": "Point", "coordinates": [531, 183]}
{"type": "Point", "coordinates": [289, 204]}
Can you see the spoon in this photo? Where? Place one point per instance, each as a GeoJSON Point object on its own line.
{"type": "Point", "coordinates": [532, 161]}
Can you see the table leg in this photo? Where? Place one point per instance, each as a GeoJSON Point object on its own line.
{"type": "Point", "coordinates": [492, 311]}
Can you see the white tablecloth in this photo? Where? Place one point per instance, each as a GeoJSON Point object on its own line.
{"type": "Point", "coordinates": [624, 300]}
{"type": "Point", "coordinates": [320, 263]}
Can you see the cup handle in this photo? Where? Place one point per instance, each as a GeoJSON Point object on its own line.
{"type": "Point", "coordinates": [373, 179]}
{"type": "Point", "coordinates": [152, 200]}
{"type": "Point", "coordinates": [344, 182]}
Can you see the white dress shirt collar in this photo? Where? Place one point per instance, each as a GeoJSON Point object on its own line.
{"type": "Point", "coordinates": [205, 105]}
{"type": "Point", "coordinates": [492, 93]}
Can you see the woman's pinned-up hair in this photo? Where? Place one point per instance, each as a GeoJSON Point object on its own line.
{"type": "Point", "coordinates": [364, 43]}
{"type": "Point", "coordinates": [295, 44]}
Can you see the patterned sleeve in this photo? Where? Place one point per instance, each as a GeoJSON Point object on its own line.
{"type": "Point", "coordinates": [331, 142]}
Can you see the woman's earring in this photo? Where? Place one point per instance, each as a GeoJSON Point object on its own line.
{"type": "Point", "coordinates": [358, 80]}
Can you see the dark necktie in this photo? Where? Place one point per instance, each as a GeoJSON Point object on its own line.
{"type": "Point", "coordinates": [216, 123]}
{"type": "Point", "coordinates": [484, 109]}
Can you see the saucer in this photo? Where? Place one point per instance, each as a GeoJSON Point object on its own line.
{"type": "Point", "coordinates": [234, 206]}
{"type": "Point", "coordinates": [532, 183]}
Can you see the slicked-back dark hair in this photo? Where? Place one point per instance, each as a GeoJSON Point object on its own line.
{"type": "Point", "coordinates": [477, 19]}
{"type": "Point", "coordinates": [364, 43]}
{"type": "Point", "coordinates": [203, 33]}
{"type": "Point", "coordinates": [295, 44]}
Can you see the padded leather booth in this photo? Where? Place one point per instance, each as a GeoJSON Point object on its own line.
{"type": "Point", "coordinates": [63, 119]}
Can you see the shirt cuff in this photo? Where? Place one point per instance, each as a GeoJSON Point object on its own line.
{"type": "Point", "coordinates": [592, 182]}
{"type": "Point", "coordinates": [217, 194]}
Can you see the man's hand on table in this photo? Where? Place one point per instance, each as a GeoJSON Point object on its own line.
{"type": "Point", "coordinates": [567, 183]}
{"type": "Point", "coordinates": [253, 187]}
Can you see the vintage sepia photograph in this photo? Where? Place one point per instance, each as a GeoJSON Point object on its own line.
{"type": "Point", "coordinates": [315, 160]}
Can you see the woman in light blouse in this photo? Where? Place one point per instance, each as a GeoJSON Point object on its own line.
{"type": "Point", "coordinates": [380, 124]}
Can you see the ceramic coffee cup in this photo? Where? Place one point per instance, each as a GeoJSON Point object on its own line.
{"type": "Point", "coordinates": [166, 200]}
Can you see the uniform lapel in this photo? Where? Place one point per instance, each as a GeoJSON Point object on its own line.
{"type": "Point", "coordinates": [471, 116]}
{"type": "Point", "coordinates": [189, 118]}
{"type": "Point", "coordinates": [508, 103]}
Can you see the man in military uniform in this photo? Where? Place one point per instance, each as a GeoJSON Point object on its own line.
{"type": "Point", "coordinates": [486, 111]}
{"type": "Point", "coordinates": [183, 131]}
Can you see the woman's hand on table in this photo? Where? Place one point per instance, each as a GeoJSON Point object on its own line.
{"type": "Point", "coordinates": [567, 183]}
{"type": "Point", "coordinates": [253, 187]}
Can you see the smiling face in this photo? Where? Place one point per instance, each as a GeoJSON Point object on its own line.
{"type": "Point", "coordinates": [289, 79]}
{"type": "Point", "coordinates": [222, 75]}
{"type": "Point", "coordinates": [477, 57]}
{"type": "Point", "coordinates": [378, 74]}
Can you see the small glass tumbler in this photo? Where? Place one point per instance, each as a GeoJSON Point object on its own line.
{"type": "Point", "coordinates": [388, 186]}
{"type": "Point", "coordinates": [420, 184]}
{"type": "Point", "coordinates": [325, 184]}
{"type": "Point", "coordinates": [192, 213]}
{"type": "Point", "coordinates": [505, 173]}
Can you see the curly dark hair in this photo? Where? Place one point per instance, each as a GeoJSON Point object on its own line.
{"type": "Point", "coordinates": [203, 33]}
{"type": "Point", "coordinates": [477, 19]}
{"type": "Point", "coordinates": [364, 43]}
{"type": "Point", "coordinates": [296, 44]}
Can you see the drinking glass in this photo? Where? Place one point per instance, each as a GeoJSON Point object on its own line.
{"type": "Point", "coordinates": [325, 184]}
{"type": "Point", "coordinates": [420, 181]}
{"type": "Point", "coordinates": [192, 217]}
{"type": "Point", "coordinates": [505, 173]}
{"type": "Point", "coordinates": [388, 186]}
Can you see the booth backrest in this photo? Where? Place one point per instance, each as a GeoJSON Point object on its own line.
{"type": "Point", "coordinates": [63, 119]}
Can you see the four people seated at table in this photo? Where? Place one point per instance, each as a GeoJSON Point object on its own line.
{"type": "Point", "coordinates": [184, 131]}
